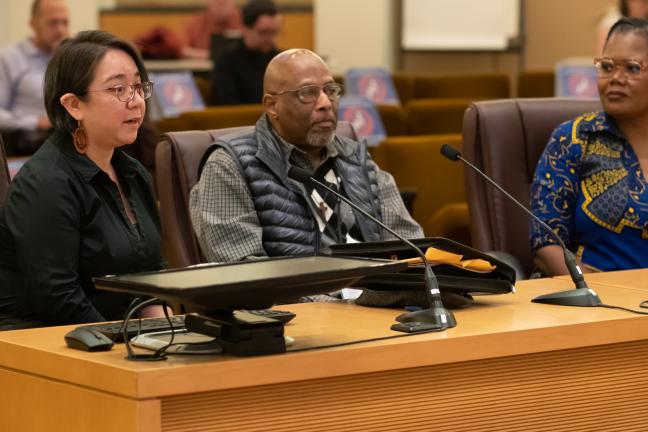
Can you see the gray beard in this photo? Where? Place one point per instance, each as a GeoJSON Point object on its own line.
{"type": "Point", "coordinates": [319, 140]}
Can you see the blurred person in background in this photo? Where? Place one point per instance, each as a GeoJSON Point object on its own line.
{"type": "Point", "coordinates": [624, 8]}
{"type": "Point", "coordinates": [237, 77]}
{"type": "Point", "coordinates": [22, 67]}
{"type": "Point", "coordinates": [221, 17]}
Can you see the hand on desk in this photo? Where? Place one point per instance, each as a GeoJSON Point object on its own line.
{"type": "Point", "coordinates": [155, 311]}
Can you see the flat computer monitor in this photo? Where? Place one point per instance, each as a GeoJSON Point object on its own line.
{"type": "Point", "coordinates": [255, 284]}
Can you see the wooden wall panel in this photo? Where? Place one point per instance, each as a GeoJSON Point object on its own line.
{"type": "Point", "coordinates": [297, 26]}
{"type": "Point", "coordinates": [59, 407]}
{"type": "Point", "coordinates": [590, 389]}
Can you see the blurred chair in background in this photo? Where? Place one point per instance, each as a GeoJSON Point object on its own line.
{"type": "Point", "coordinates": [535, 84]}
{"type": "Point", "coordinates": [213, 118]}
{"type": "Point", "coordinates": [435, 116]}
{"type": "Point", "coordinates": [416, 164]}
{"type": "Point", "coordinates": [475, 86]}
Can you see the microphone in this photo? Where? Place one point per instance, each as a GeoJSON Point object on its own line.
{"type": "Point", "coordinates": [437, 314]}
{"type": "Point", "coordinates": [582, 295]}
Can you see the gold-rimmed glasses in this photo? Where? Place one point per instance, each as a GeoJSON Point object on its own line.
{"type": "Point", "coordinates": [126, 92]}
{"type": "Point", "coordinates": [310, 93]}
{"type": "Point", "coordinates": [632, 69]}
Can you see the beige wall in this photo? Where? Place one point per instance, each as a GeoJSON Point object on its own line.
{"type": "Point", "coordinates": [561, 28]}
{"type": "Point", "coordinates": [348, 35]}
{"type": "Point", "coordinates": [14, 18]}
{"type": "Point", "coordinates": [190, 3]}
{"type": "Point", "coordinates": [555, 29]}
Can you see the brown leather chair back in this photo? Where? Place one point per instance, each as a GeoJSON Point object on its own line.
{"type": "Point", "coordinates": [177, 158]}
{"type": "Point", "coordinates": [505, 138]}
{"type": "Point", "coordinates": [5, 178]}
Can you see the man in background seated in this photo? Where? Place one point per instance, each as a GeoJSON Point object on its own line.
{"type": "Point", "coordinates": [221, 17]}
{"type": "Point", "coordinates": [238, 74]}
{"type": "Point", "coordinates": [22, 69]}
{"type": "Point", "coordinates": [245, 205]}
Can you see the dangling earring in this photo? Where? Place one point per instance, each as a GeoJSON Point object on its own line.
{"type": "Point", "coordinates": [79, 138]}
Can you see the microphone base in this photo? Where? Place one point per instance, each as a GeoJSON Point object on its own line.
{"type": "Point", "coordinates": [574, 297]}
{"type": "Point", "coordinates": [439, 316]}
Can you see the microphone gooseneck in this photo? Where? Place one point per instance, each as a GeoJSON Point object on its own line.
{"type": "Point", "coordinates": [582, 295]}
{"type": "Point", "coordinates": [437, 313]}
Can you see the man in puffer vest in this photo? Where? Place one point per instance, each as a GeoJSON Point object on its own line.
{"type": "Point", "coordinates": [245, 205]}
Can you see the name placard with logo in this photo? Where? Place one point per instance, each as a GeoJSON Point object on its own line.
{"type": "Point", "coordinates": [173, 94]}
{"type": "Point", "coordinates": [364, 118]}
{"type": "Point", "coordinates": [374, 84]}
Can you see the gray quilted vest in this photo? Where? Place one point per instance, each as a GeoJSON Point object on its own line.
{"type": "Point", "coordinates": [284, 210]}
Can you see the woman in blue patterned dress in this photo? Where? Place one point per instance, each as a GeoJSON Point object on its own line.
{"type": "Point", "coordinates": [591, 183]}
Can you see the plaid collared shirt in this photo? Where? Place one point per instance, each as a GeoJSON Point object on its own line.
{"type": "Point", "coordinates": [225, 220]}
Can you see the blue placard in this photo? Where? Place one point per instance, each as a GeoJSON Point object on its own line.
{"type": "Point", "coordinates": [364, 118]}
{"type": "Point", "coordinates": [375, 84]}
{"type": "Point", "coordinates": [175, 93]}
{"type": "Point", "coordinates": [14, 165]}
{"type": "Point", "coordinates": [576, 81]}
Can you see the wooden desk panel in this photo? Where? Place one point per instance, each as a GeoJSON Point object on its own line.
{"type": "Point", "coordinates": [587, 389]}
{"type": "Point", "coordinates": [297, 29]}
{"type": "Point", "coordinates": [509, 365]}
{"type": "Point", "coordinates": [31, 403]}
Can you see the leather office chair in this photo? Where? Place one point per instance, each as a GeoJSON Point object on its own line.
{"type": "Point", "coordinates": [177, 158]}
{"type": "Point", "coordinates": [5, 178]}
{"type": "Point", "coordinates": [505, 138]}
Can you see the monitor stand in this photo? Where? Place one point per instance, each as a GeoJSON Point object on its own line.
{"type": "Point", "coordinates": [240, 333]}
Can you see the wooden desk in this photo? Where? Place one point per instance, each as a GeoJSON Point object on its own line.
{"type": "Point", "coordinates": [509, 365]}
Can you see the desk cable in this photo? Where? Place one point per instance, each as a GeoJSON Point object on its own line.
{"type": "Point", "coordinates": [643, 305]}
{"type": "Point", "coordinates": [135, 307]}
{"type": "Point", "coordinates": [359, 341]}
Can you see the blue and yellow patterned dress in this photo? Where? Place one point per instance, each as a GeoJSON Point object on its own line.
{"type": "Point", "coordinates": [589, 188]}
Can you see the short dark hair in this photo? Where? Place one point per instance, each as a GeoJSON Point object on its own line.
{"type": "Point", "coordinates": [72, 70]}
{"type": "Point", "coordinates": [628, 25]}
{"type": "Point", "coordinates": [253, 9]}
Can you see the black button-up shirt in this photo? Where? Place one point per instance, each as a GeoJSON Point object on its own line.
{"type": "Point", "coordinates": [64, 223]}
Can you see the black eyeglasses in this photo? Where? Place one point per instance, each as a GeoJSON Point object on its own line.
{"type": "Point", "coordinates": [310, 93]}
{"type": "Point", "coordinates": [631, 68]}
{"type": "Point", "coordinates": [126, 92]}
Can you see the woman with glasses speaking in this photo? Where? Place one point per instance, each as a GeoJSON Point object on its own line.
{"type": "Point", "coordinates": [591, 183]}
{"type": "Point", "coordinates": [80, 207]}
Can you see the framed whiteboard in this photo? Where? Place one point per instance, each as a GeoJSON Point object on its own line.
{"type": "Point", "coordinates": [460, 25]}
